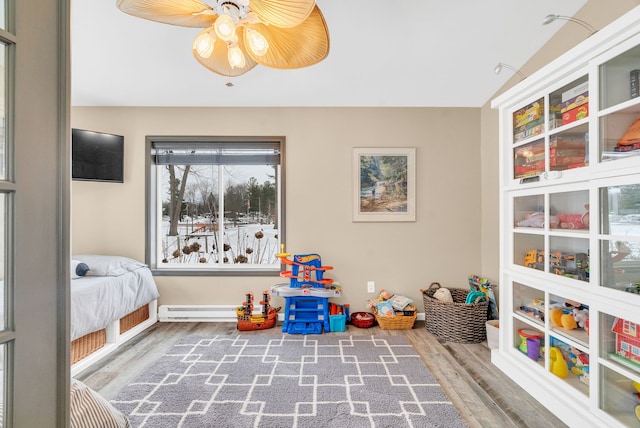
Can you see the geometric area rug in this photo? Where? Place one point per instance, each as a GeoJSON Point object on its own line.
{"type": "Point", "coordinates": [288, 381]}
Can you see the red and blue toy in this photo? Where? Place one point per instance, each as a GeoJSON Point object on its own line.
{"type": "Point", "coordinates": [307, 294]}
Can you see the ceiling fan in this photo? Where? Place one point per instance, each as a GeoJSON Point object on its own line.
{"type": "Point", "coordinates": [239, 34]}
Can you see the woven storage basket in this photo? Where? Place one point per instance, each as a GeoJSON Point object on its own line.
{"type": "Point", "coordinates": [136, 317]}
{"type": "Point", "coordinates": [398, 322]}
{"type": "Point", "coordinates": [87, 345]}
{"type": "Point", "coordinates": [458, 321]}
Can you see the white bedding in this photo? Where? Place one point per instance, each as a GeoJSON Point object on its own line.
{"type": "Point", "coordinates": [96, 301]}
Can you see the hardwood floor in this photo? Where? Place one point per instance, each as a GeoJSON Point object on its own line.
{"type": "Point", "coordinates": [485, 396]}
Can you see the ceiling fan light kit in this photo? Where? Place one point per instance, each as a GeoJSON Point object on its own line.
{"type": "Point", "coordinates": [237, 35]}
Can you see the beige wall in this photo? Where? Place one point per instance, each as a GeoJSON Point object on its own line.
{"type": "Point", "coordinates": [443, 244]}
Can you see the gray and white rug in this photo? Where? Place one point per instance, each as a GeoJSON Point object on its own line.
{"type": "Point", "coordinates": [288, 381]}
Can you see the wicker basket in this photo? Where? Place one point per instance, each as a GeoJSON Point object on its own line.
{"type": "Point", "coordinates": [87, 345]}
{"type": "Point", "coordinates": [136, 317]}
{"type": "Point", "coordinates": [458, 321]}
{"type": "Point", "coordinates": [397, 322]}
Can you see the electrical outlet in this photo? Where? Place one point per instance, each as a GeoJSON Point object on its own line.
{"type": "Point", "coordinates": [371, 287]}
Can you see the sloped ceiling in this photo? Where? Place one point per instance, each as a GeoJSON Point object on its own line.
{"type": "Point", "coordinates": [410, 53]}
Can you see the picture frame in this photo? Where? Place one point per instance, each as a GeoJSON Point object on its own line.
{"type": "Point", "coordinates": [384, 184]}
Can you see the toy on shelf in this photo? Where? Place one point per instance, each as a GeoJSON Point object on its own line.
{"type": "Point", "coordinates": [534, 259]}
{"type": "Point", "coordinates": [557, 365]}
{"type": "Point", "coordinates": [575, 221]}
{"type": "Point", "coordinates": [579, 365]}
{"type": "Point", "coordinates": [572, 265]}
{"type": "Point", "coordinates": [581, 317]}
{"type": "Point", "coordinates": [534, 309]}
{"type": "Point", "coordinates": [570, 315]}
{"type": "Point", "coordinates": [627, 338]}
{"type": "Point", "coordinates": [536, 219]}
{"type": "Point", "coordinates": [248, 321]}
{"type": "Point", "coordinates": [530, 342]}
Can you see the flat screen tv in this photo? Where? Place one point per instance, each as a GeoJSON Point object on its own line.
{"type": "Point", "coordinates": [97, 156]}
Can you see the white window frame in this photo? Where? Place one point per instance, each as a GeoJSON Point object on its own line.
{"type": "Point", "coordinates": [154, 253]}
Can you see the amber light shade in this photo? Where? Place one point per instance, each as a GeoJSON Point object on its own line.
{"type": "Point", "coordinates": [291, 33]}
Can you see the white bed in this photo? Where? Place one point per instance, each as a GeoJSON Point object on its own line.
{"type": "Point", "coordinates": [107, 291]}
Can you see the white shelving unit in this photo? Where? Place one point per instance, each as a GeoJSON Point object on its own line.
{"type": "Point", "coordinates": [570, 230]}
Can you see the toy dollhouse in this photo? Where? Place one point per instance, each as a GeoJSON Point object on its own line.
{"type": "Point", "coordinates": [627, 340]}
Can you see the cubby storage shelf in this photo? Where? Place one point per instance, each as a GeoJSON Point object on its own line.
{"type": "Point", "coordinates": [570, 230]}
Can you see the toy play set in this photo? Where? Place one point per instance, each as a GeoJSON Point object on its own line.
{"type": "Point", "coordinates": [307, 306]}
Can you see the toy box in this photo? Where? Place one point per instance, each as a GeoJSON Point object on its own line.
{"type": "Point", "coordinates": [532, 112]}
{"type": "Point", "coordinates": [575, 102]}
{"type": "Point", "coordinates": [566, 142]}
{"type": "Point", "coordinates": [529, 160]}
{"type": "Point", "coordinates": [529, 132]}
{"type": "Point", "coordinates": [575, 91]}
{"type": "Point", "coordinates": [575, 114]}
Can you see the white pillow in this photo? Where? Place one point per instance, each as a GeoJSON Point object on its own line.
{"type": "Point", "coordinates": [105, 265]}
{"type": "Point", "coordinates": [90, 409]}
{"type": "Point", "coordinates": [78, 269]}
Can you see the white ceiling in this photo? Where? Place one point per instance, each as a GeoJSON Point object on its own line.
{"type": "Point", "coordinates": [434, 54]}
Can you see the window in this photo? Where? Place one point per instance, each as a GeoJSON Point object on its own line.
{"type": "Point", "coordinates": [215, 205]}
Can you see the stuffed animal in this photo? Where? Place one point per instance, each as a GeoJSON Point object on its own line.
{"type": "Point", "coordinates": [581, 316]}
{"type": "Point", "coordinates": [536, 219]}
{"type": "Point", "coordinates": [443, 295]}
{"type": "Point", "coordinates": [568, 322]}
{"type": "Point", "coordinates": [574, 221]}
{"type": "Point", "coordinates": [555, 314]}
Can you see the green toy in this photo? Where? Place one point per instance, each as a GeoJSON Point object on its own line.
{"type": "Point", "coordinates": [473, 296]}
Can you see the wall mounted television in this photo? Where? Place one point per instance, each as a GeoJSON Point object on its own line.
{"type": "Point", "coordinates": [97, 156]}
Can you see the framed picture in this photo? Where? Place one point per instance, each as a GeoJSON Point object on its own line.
{"type": "Point", "coordinates": [384, 184]}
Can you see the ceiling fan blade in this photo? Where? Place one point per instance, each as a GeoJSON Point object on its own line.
{"type": "Point", "coordinates": [283, 13]}
{"type": "Point", "coordinates": [185, 13]}
{"type": "Point", "coordinates": [297, 47]}
{"type": "Point", "coordinates": [218, 62]}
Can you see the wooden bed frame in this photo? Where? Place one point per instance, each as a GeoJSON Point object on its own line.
{"type": "Point", "coordinates": [91, 347]}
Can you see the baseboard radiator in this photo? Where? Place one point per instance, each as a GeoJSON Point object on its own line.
{"type": "Point", "coordinates": [197, 313]}
{"type": "Point", "coordinates": [210, 313]}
